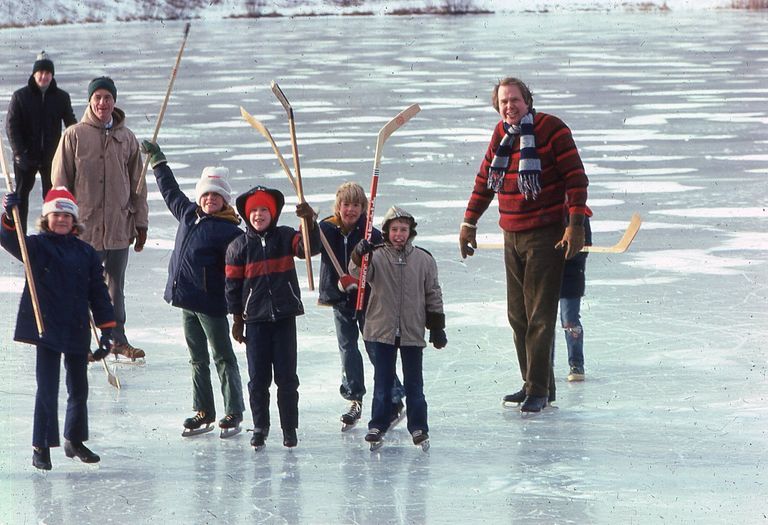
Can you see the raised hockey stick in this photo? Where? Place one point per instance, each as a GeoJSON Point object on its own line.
{"type": "Point", "coordinates": [165, 105]}
{"type": "Point", "coordinates": [384, 133]}
{"type": "Point", "coordinates": [619, 247]}
{"type": "Point", "coordinates": [23, 247]}
{"type": "Point", "coordinates": [297, 169]}
{"type": "Point", "coordinates": [111, 377]}
{"type": "Point", "coordinates": [261, 128]}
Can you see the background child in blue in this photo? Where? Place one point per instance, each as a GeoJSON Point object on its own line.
{"type": "Point", "coordinates": [69, 281]}
{"type": "Point", "coordinates": [343, 230]}
{"type": "Point", "coordinates": [263, 297]}
{"type": "Point", "coordinates": [196, 285]}
{"type": "Point", "coordinates": [405, 298]}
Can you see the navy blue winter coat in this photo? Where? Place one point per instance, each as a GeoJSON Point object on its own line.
{"type": "Point", "coordinates": [342, 246]}
{"type": "Point", "coordinates": [196, 270]}
{"type": "Point", "coordinates": [262, 284]}
{"type": "Point", "coordinates": [69, 280]}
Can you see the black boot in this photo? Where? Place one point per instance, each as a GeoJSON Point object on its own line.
{"type": "Point", "coordinates": [41, 458]}
{"type": "Point", "coordinates": [289, 437]}
{"type": "Point", "coordinates": [516, 398]}
{"type": "Point", "coordinates": [534, 404]}
{"type": "Point", "coordinates": [83, 453]}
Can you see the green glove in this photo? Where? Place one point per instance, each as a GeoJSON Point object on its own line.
{"type": "Point", "coordinates": [156, 156]}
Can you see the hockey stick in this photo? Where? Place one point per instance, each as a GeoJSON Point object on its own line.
{"type": "Point", "coordinates": [619, 247]}
{"type": "Point", "coordinates": [299, 188]}
{"type": "Point", "coordinates": [23, 247]}
{"type": "Point", "coordinates": [165, 105]}
{"type": "Point", "coordinates": [384, 133]}
{"type": "Point", "coordinates": [111, 378]}
{"type": "Point", "coordinates": [261, 128]}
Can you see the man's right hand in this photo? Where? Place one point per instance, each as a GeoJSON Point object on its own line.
{"type": "Point", "coordinates": [467, 241]}
{"type": "Point", "coordinates": [238, 328]}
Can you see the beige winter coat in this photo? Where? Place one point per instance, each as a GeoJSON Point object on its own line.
{"type": "Point", "coordinates": [102, 168]}
{"type": "Point", "coordinates": [404, 287]}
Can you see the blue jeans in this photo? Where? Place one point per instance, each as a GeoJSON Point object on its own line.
{"type": "Point", "coordinates": [413, 382]}
{"type": "Point", "coordinates": [574, 332]}
{"type": "Point", "coordinates": [348, 330]}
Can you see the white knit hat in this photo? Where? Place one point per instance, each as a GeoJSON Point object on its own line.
{"type": "Point", "coordinates": [215, 179]}
{"type": "Point", "coordinates": [60, 200]}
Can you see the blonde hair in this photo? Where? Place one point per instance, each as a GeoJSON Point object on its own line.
{"type": "Point", "coordinates": [350, 192]}
{"type": "Point", "coordinates": [44, 227]}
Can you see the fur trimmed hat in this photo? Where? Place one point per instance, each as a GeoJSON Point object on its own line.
{"type": "Point", "coordinates": [216, 180]}
{"type": "Point", "coordinates": [102, 83]}
{"type": "Point", "coordinates": [396, 212]}
{"type": "Point", "coordinates": [43, 63]}
{"type": "Point", "coordinates": [60, 200]}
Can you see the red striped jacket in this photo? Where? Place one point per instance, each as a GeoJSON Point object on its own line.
{"type": "Point", "coordinates": [562, 175]}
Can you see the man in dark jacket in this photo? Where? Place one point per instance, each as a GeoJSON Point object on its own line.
{"type": "Point", "coordinates": [33, 126]}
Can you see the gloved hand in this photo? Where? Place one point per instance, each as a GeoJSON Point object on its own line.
{"type": "Point", "coordinates": [572, 241]}
{"type": "Point", "coordinates": [363, 248]}
{"type": "Point", "coordinates": [21, 162]}
{"type": "Point", "coordinates": [10, 201]}
{"type": "Point", "coordinates": [438, 338]}
{"type": "Point", "coordinates": [156, 156]}
{"type": "Point", "coordinates": [141, 239]}
{"type": "Point", "coordinates": [467, 240]}
{"type": "Point", "coordinates": [105, 344]}
{"type": "Point", "coordinates": [238, 328]}
{"type": "Point", "coordinates": [347, 283]}
{"type": "Point", "coordinates": [305, 211]}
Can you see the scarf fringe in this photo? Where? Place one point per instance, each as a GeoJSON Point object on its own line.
{"type": "Point", "coordinates": [529, 170]}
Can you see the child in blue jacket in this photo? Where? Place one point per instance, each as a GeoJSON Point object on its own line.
{"type": "Point", "coordinates": [264, 299]}
{"type": "Point", "coordinates": [196, 285]}
{"type": "Point", "coordinates": [69, 282]}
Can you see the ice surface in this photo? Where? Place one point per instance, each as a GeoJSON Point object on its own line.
{"type": "Point", "coordinates": [671, 424]}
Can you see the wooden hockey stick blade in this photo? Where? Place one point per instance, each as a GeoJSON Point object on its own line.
{"type": "Point", "coordinates": [112, 379]}
{"type": "Point", "coordinates": [261, 128]}
{"type": "Point", "coordinates": [619, 247]}
{"type": "Point", "coordinates": [282, 98]}
{"type": "Point", "coordinates": [393, 125]}
{"type": "Point", "coordinates": [624, 242]}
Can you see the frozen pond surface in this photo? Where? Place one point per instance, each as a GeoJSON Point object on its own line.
{"type": "Point", "coordinates": [671, 426]}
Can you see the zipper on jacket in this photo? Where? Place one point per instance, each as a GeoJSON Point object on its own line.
{"type": "Point", "coordinates": [266, 276]}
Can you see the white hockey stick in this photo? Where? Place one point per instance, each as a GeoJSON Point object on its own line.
{"type": "Point", "coordinates": [619, 247]}
{"type": "Point", "coordinates": [384, 133]}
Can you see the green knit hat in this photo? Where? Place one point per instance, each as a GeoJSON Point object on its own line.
{"type": "Point", "coordinates": [43, 63]}
{"type": "Point", "coordinates": [102, 83]}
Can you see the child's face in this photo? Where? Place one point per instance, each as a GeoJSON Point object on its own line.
{"type": "Point", "coordinates": [350, 213]}
{"type": "Point", "coordinates": [260, 218]}
{"type": "Point", "coordinates": [60, 223]}
{"type": "Point", "coordinates": [398, 232]}
{"type": "Point", "coordinates": [211, 202]}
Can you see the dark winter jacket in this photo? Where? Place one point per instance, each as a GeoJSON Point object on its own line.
{"type": "Point", "coordinates": [33, 123]}
{"type": "Point", "coordinates": [196, 269]}
{"type": "Point", "coordinates": [342, 246]}
{"type": "Point", "coordinates": [262, 284]}
{"type": "Point", "coordinates": [574, 278]}
{"type": "Point", "coordinates": [69, 281]}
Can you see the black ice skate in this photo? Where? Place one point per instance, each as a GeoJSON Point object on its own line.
{"type": "Point", "coordinates": [230, 425]}
{"type": "Point", "coordinates": [41, 458]}
{"type": "Point", "coordinates": [194, 425]}
{"type": "Point", "coordinates": [77, 449]}
{"type": "Point", "coordinates": [421, 439]}
{"type": "Point", "coordinates": [352, 416]}
{"type": "Point", "coordinates": [533, 404]}
{"type": "Point", "coordinates": [290, 439]}
{"type": "Point", "coordinates": [514, 400]}
{"type": "Point", "coordinates": [375, 437]}
{"type": "Point", "coordinates": [258, 440]}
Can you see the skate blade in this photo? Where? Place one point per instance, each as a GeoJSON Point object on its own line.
{"type": "Point", "coordinates": [424, 445]}
{"type": "Point", "coordinates": [376, 445]}
{"type": "Point", "coordinates": [545, 410]}
{"type": "Point", "coordinates": [227, 433]}
{"type": "Point", "coordinates": [348, 426]}
{"type": "Point", "coordinates": [510, 404]}
{"type": "Point", "coordinates": [135, 361]}
{"type": "Point", "coordinates": [189, 432]}
{"type": "Point", "coordinates": [397, 421]}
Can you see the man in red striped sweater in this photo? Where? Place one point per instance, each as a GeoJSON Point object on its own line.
{"type": "Point", "coordinates": [533, 165]}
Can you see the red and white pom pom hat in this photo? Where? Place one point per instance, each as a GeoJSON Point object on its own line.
{"type": "Point", "coordinates": [60, 200]}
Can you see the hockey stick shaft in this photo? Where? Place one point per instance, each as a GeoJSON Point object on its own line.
{"type": "Point", "coordinates": [384, 133]}
{"type": "Point", "coordinates": [23, 246]}
{"type": "Point", "coordinates": [261, 128]}
{"type": "Point", "coordinates": [164, 106]}
{"type": "Point", "coordinates": [619, 247]}
{"type": "Point", "coordinates": [112, 379]}
{"type": "Point", "coordinates": [297, 170]}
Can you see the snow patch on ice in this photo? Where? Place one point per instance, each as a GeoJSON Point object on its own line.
{"type": "Point", "coordinates": [639, 186]}
{"type": "Point", "coordinates": [690, 262]}
{"type": "Point", "coordinates": [722, 213]}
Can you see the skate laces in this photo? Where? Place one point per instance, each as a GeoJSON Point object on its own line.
{"type": "Point", "coordinates": [200, 417]}
{"type": "Point", "coordinates": [355, 408]}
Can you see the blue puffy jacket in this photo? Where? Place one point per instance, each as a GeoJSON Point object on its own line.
{"type": "Point", "coordinates": [69, 280]}
{"type": "Point", "coordinates": [196, 270]}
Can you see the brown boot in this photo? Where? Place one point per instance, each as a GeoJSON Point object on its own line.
{"type": "Point", "coordinates": [127, 350]}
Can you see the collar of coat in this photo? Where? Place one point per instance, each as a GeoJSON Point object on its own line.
{"type": "Point", "coordinates": [227, 213]}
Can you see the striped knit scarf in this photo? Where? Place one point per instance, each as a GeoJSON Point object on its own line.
{"type": "Point", "coordinates": [529, 170]}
